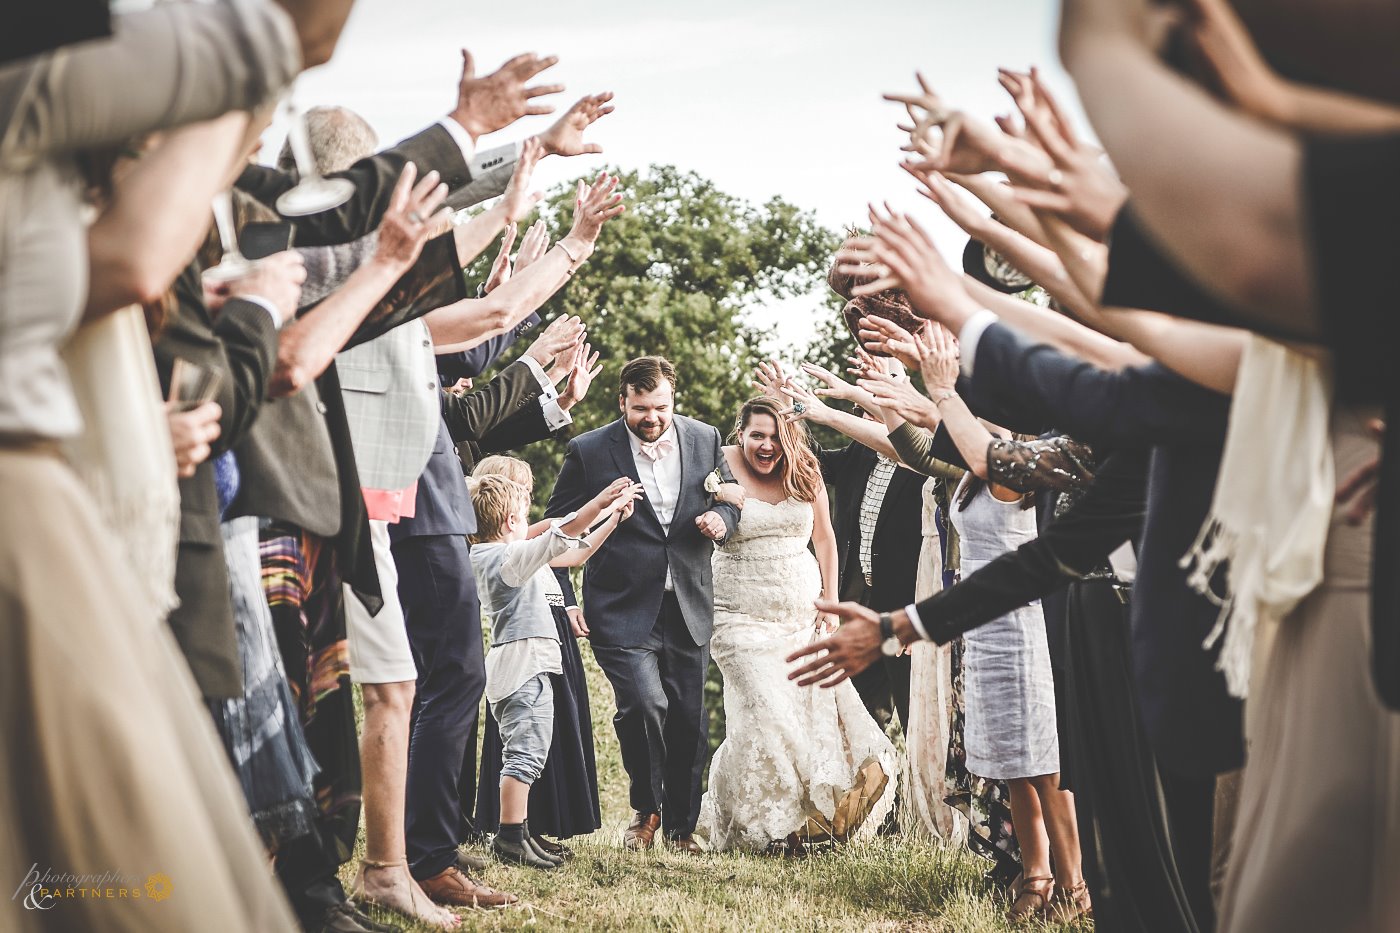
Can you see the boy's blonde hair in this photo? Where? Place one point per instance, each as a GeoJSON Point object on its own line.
{"type": "Point", "coordinates": [509, 467]}
{"type": "Point", "coordinates": [495, 498]}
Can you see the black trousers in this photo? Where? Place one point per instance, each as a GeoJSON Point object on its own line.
{"type": "Point", "coordinates": [443, 618]}
{"type": "Point", "coordinates": [1124, 815]}
{"type": "Point", "coordinates": [884, 685]}
{"type": "Point", "coordinates": [661, 722]}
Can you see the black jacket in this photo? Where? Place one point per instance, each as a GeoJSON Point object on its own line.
{"type": "Point", "coordinates": [894, 550]}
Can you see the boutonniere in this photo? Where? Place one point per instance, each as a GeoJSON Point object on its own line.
{"type": "Point", "coordinates": [713, 482]}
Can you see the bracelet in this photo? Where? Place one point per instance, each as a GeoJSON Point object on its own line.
{"type": "Point", "coordinates": [951, 393]}
{"type": "Point", "coordinates": [573, 260]}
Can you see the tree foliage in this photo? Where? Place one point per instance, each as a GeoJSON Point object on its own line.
{"type": "Point", "coordinates": [674, 276]}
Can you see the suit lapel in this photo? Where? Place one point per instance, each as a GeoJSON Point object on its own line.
{"type": "Point", "coordinates": [622, 457]}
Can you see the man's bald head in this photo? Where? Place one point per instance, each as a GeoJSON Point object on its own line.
{"type": "Point", "coordinates": [340, 137]}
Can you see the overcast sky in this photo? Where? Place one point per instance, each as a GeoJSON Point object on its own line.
{"type": "Point", "coordinates": [761, 96]}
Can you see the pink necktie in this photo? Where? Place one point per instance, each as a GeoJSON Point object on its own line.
{"type": "Point", "coordinates": [658, 450]}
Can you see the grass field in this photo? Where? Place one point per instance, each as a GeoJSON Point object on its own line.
{"type": "Point", "coordinates": [893, 883]}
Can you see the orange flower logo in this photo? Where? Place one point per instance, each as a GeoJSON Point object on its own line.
{"type": "Point", "coordinates": [158, 886]}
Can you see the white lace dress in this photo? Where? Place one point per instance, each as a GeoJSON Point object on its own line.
{"type": "Point", "coordinates": [791, 754]}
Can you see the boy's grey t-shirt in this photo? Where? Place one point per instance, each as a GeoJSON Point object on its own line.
{"type": "Point", "coordinates": [511, 578]}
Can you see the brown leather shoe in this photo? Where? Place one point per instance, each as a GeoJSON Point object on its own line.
{"type": "Point", "coordinates": [686, 844]}
{"type": "Point", "coordinates": [454, 889]}
{"type": "Point", "coordinates": [641, 831]}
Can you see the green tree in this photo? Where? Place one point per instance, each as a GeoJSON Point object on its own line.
{"type": "Point", "coordinates": [675, 275]}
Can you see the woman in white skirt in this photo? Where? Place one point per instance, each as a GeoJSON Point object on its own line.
{"type": "Point", "coordinates": [1010, 696]}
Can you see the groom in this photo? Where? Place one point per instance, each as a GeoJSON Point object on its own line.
{"type": "Point", "coordinates": [648, 591]}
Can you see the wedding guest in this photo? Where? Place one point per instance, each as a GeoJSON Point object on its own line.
{"type": "Point", "coordinates": [133, 719]}
{"type": "Point", "coordinates": [525, 645]}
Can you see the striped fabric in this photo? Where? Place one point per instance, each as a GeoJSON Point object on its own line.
{"type": "Point", "coordinates": [870, 504]}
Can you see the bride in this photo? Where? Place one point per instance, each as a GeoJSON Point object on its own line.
{"type": "Point", "coordinates": [795, 764]}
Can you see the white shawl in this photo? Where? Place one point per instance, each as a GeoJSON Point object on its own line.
{"type": "Point", "coordinates": [1273, 499]}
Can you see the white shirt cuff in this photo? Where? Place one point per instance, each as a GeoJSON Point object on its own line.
{"type": "Point", "coordinates": [546, 387]}
{"type": "Point", "coordinates": [970, 334]}
{"type": "Point", "coordinates": [555, 417]}
{"type": "Point", "coordinates": [493, 158]}
{"type": "Point", "coordinates": [267, 306]}
{"type": "Point", "coordinates": [461, 137]}
{"type": "Point", "coordinates": [913, 613]}
{"type": "Point", "coordinates": [573, 542]}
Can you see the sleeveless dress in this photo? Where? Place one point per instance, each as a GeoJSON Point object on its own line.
{"type": "Point", "coordinates": [1009, 690]}
{"type": "Point", "coordinates": [794, 759]}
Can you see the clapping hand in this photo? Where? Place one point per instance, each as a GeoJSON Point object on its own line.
{"type": "Point", "coordinates": [624, 499]}
{"type": "Point", "coordinates": [851, 649]}
{"type": "Point", "coordinates": [565, 137]}
{"type": "Point", "coordinates": [487, 104]}
{"type": "Point", "coordinates": [534, 245]}
{"type": "Point", "coordinates": [584, 369]}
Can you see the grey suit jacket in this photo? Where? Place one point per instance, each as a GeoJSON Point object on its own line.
{"type": "Point", "coordinates": [624, 582]}
{"type": "Point", "coordinates": [391, 400]}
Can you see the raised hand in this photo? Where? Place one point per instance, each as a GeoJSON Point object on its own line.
{"type": "Point", "coordinates": [562, 336]}
{"type": "Point", "coordinates": [534, 245]}
{"type": "Point", "coordinates": [805, 404]}
{"type": "Point", "coordinates": [487, 104]}
{"type": "Point", "coordinates": [899, 396]}
{"type": "Point", "coordinates": [768, 377]}
{"type": "Point", "coordinates": [408, 223]}
{"type": "Point", "coordinates": [941, 363]}
{"type": "Point", "coordinates": [500, 269]}
{"type": "Point", "coordinates": [585, 369]}
{"type": "Point", "coordinates": [518, 200]}
{"type": "Point", "coordinates": [880, 335]}
{"type": "Point", "coordinates": [903, 256]}
{"type": "Point", "coordinates": [832, 385]}
{"type": "Point", "coordinates": [1079, 187]}
{"type": "Point", "coordinates": [962, 143]}
{"type": "Point", "coordinates": [565, 137]}
{"type": "Point", "coordinates": [595, 205]}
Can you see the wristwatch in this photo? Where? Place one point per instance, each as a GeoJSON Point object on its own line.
{"type": "Point", "coordinates": [890, 646]}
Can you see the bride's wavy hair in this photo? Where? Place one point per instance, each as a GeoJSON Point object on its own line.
{"type": "Point", "coordinates": [802, 472]}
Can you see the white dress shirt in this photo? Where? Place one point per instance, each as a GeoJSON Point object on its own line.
{"type": "Point", "coordinates": [661, 479]}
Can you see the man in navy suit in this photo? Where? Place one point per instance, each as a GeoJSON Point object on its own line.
{"type": "Point", "coordinates": [648, 591]}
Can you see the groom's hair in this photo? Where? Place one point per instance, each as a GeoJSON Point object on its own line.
{"type": "Point", "coordinates": [645, 373]}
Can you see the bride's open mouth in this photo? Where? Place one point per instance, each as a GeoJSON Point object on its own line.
{"type": "Point", "coordinates": [767, 459]}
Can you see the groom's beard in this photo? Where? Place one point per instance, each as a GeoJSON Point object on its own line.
{"type": "Point", "coordinates": [649, 430]}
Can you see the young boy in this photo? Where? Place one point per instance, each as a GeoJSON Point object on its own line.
{"type": "Point", "coordinates": [510, 571]}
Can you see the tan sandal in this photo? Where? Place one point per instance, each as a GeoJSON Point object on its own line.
{"type": "Point", "coordinates": [1069, 904]}
{"type": "Point", "coordinates": [1032, 899]}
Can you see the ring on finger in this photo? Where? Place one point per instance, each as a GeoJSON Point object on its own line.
{"type": "Point", "coordinates": [415, 217]}
{"type": "Point", "coordinates": [799, 408]}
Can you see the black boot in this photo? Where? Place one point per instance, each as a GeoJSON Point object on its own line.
{"type": "Point", "coordinates": [510, 845]}
{"type": "Point", "coordinates": [538, 849]}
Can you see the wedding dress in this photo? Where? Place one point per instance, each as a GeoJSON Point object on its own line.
{"type": "Point", "coordinates": [794, 759]}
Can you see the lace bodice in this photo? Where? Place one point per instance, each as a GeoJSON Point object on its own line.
{"type": "Point", "coordinates": [765, 570]}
